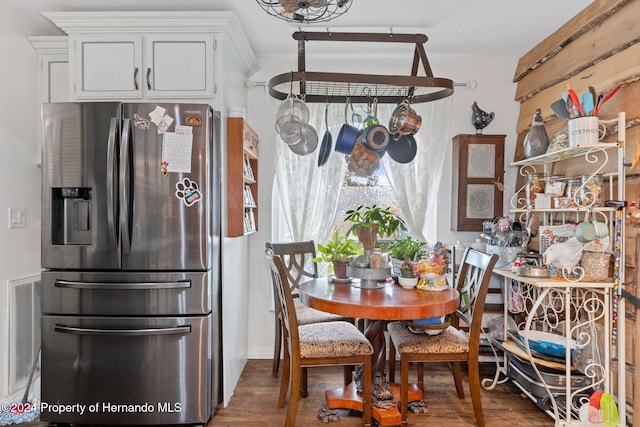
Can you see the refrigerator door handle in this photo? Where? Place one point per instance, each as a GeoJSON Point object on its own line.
{"type": "Point", "coordinates": [186, 284]}
{"type": "Point", "coordinates": [125, 176]}
{"type": "Point", "coordinates": [181, 330]}
{"type": "Point", "coordinates": [112, 183]}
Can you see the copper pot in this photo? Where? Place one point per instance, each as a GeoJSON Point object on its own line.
{"type": "Point", "coordinates": [404, 121]}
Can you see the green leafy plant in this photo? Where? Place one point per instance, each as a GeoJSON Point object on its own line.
{"type": "Point", "coordinates": [389, 224]}
{"type": "Point", "coordinates": [339, 248]}
{"type": "Point", "coordinates": [406, 246]}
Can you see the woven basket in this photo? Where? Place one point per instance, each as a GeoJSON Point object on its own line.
{"type": "Point", "coordinates": [427, 329]}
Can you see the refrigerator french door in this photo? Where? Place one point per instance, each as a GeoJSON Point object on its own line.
{"type": "Point", "coordinates": [130, 247]}
{"type": "Point", "coordinates": [107, 202]}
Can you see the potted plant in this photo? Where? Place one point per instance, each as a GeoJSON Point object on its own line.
{"type": "Point", "coordinates": [406, 246]}
{"type": "Point", "coordinates": [398, 250]}
{"type": "Point", "coordinates": [407, 278]}
{"type": "Point", "coordinates": [369, 222]}
{"type": "Point", "coordinates": [337, 252]}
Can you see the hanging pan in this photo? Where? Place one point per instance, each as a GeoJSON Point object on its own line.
{"type": "Point", "coordinates": [403, 149]}
{"type": "Point", "coordinates": [376, 136]}
{"type": "Point", "coordinates": [307, 144]}
{"type": "Point", "coordinates": [327, 139]}
{"type": "Point", "coordinates": [404, 120]}
{"type": "Point", "coordinates": [347, 135]}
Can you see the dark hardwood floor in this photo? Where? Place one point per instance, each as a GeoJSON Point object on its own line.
{"type": "Point", "coordinates": [254, 403]}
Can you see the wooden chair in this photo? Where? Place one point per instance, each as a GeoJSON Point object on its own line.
{"type": "Point", "coordinates": [297, 257]}
{"type": "Point", "coordinates": [460, 342]}
{"type": "Point", "coordinates": [316, 344]}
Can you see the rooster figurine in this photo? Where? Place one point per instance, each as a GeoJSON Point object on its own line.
{"type": "Point", "coordinates": [479, 118]}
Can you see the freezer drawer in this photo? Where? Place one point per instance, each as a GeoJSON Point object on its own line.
{"type": "Point", "coordinates": [122, 294]}
{"type": "Point", "coordinates": [126, 371]}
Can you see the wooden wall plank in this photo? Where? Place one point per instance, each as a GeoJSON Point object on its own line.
{"type": "Point", "coordinates": [618, 31]}
{"type": "Point", "coordinates": [589, 17]}
{"type": "Point", "coordinates": [621, 68]}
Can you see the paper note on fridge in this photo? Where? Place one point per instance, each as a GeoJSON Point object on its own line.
{"type": "Point", "coordinates": [176, 151]}
{"type": "Point", "coordinates": [157, 114]}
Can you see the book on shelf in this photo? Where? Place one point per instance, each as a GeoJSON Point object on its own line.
{"type": "Point", "coordinates": [248, 197]}
{"type": "Point", "coordinates": [249, 221]}
{"type": "Point", "coordinates": [248, 171]}
{"type": "Point", "coordinates": [246, 223]}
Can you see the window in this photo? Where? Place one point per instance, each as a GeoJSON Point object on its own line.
{"type": "Point", "coordinates": [367, 191]}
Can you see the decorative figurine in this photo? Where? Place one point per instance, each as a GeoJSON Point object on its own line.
{"type": "Point", "coordinates": [536, 142]}
{"type": "Point", "coordinates": [480, 119]}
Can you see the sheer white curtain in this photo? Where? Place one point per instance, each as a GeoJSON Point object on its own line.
{"type": "Point", "coordinates": [416, 184]}
{"type": "Point", "coordinates": [308, 193]}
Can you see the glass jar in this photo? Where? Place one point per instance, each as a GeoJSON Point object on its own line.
{"type": "Point", "coordinates": [375, 260]}
{"type": "Point", "coordinates": [592, 191]}
{"type": "Point", "coordinates": [555, 185]}
{"type": "Point", "coordinates": [573, 188]}
{"type": "Point", "coordinates": [535, 185]}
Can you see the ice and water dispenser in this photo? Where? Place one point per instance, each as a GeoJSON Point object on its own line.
{"type": "Point", "coordinates": [71, 216]}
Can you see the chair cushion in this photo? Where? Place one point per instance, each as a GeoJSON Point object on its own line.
{"type": "Point", "coordinates": [451, 340]}
{"type": "Point", "coordinates": [307, 315]}
{"type": "Point", "coordinates": [332, 339]}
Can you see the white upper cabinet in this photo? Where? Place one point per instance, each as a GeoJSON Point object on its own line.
{"type": "Point", "coordinates": [53, 67]}
{"type": "Point", "coordinates": [180, 66]}
{"type": "Point", "coordinates": [109, 66]}
{"type": "Point", "coordinates": [150, 55]}
{"type": "Point", "coordinates": [53, 73]}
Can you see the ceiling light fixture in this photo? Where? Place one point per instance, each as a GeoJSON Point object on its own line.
{"type": "Point", "coordinates": [305, 12]}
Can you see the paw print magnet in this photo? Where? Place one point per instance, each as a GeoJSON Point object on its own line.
{"type": "Point", "coordinates": [187, 190]}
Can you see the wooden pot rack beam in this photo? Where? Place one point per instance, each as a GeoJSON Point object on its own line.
{"type": "Point", "coordinates": [322, 87]}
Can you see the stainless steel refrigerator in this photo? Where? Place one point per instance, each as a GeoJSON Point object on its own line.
{"type": "Point", "coordinates": [131, 252]}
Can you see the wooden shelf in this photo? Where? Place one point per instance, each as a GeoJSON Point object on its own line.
{"type": "Point", "coordinates": [242, 178]}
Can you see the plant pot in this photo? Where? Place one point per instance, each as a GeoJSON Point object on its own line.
{"type": "Point", "coordinates": [340, 269]}
{"type": "Point", "coordinates": [368, 236]}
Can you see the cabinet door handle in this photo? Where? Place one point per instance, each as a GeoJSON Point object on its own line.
{"type": "Point", "coordinates": [135, 78]}
{"type": "Point", "coordinates": [148, 76]}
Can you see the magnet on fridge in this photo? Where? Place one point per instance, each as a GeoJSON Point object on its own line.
{"type": "Point", "coordinates": [140, 122]}
{"type": "Point", "coordinates": [157, 114]}
{"type": "Point", "coordinates": [188, 192]}
{"type": "Point", "coordinates": [164, 124]}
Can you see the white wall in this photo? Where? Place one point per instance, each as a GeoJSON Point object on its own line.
{"type": "Point", "coordinates": [495, 92]}
{"type": "Point", "coordinates": [234, 250]}
{"type": "Point", "coordinates": [19, 176]}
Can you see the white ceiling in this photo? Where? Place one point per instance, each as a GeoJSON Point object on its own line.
{"type": "Point", "coordinates": [458, 28]}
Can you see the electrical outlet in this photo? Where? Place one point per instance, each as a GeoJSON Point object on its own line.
{"type": "Point", "coordinates": [17, 217]}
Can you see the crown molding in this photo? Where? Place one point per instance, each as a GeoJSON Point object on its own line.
{"type": "Point", "coordinates": [49, 44]}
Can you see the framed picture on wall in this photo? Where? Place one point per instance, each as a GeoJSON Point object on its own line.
{"type": "Point", "coordinates": [478, 178]}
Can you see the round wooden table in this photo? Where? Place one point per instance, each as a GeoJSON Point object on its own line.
{"type": "Point", "coordinates": [391, 302]}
